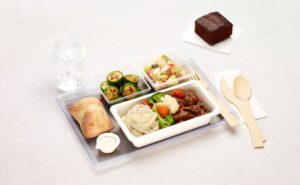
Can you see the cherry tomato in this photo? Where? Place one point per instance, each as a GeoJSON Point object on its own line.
{"type": "Point", "coordinates": [178, 93]}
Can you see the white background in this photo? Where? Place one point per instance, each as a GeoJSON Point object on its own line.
{"type": "Point", "coordinates": [37, 145]}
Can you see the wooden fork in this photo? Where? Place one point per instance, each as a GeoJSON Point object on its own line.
{"type": "Point", "coordinates": [231, 120]}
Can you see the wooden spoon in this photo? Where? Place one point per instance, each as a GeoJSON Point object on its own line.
{"type": "Point", "coordinates": [242, 90]}
{"type": "Point", "coordinates": [230, 96]}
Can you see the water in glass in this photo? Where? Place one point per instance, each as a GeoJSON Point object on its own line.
{"type": "Point", "coordinates": [67, 54]}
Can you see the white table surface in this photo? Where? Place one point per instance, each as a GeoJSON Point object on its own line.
{"type": "Point", "coordinates": [38, 146]}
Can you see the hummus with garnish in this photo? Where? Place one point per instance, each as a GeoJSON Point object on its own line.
{"type": "Point", "coordinates": [141, 120]}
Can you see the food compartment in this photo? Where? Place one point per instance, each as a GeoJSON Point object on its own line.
{"type": "Point", "coordinates": [141, 87]}
{"type": "Point", "coordinates": [118, 111]}
{"type": "Point", "coordinates": [160, 75]}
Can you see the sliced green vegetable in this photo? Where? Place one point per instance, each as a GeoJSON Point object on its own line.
{"type": "Point", "coordinates": [115, 78]}
{"type": "Point", "coordinates": [112, 92]}
{"type": "Point", "coordinates": [118, 85]}
{"type": "Point", "coordinates": [129, 88]}
{"type": "Point", "coordinates": [156, 98]}
{"type": "Point", "coordinates": [131, 78]}
{"type": "Point", "coordinates": [104, 85]}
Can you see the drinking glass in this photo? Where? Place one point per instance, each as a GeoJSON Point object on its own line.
{"type": "Point", "coordinates": [67, 54]}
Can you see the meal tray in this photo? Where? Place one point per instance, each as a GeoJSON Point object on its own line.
{"type": "Point", "coordinates": [126, 151]}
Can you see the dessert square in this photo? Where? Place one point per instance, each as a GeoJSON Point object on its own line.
{"type": "Point", "coordinates": [213, 28]}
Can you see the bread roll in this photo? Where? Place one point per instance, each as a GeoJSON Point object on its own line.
{"type": "Point", "coordinates": [91, 116]}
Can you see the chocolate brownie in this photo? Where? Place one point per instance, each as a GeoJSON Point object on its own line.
{"type": "Point", "coordinates": [213, 27]}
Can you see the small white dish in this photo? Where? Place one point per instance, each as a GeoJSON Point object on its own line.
{"type": "Point", "coordinates": [121, 109]}
{"type": "Point", "coordinates": [107, 142]}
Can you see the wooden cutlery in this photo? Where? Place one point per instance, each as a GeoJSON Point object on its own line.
{"type": "Point", "coordinates": [239, 97]}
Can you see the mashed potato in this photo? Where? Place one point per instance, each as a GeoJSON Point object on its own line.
{"type": "Point", "coordinates": [141, 120]}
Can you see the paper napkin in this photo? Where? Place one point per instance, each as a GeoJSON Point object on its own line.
{"type": "Point", "coordinates": [229, 77]}
{"type": "Point", "coordinates": [224, 47]}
